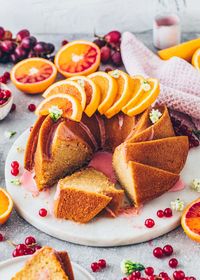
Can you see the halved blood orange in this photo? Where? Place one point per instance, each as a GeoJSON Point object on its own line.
{"type": "Point", "coordinates": [136, 93]}
{"type": "Point", "coordinates": [33, 75]}
{"type": "Point", "coordinates": [146, 98]}
{"type": "Point", "coordinates": [108, 88]}
{"type": "Point", "coordinates": [67, 87]}
{"type": "Point", "coordinates": [70, 106]}
{"type": "Point", "coordinates": [92, 91]}
{"type": "Point", "coordinates": [78, 58]}
{"type": "Point", "coordinates": [6, 205]}
{"type": "Point", "coordinates": [190, 220]}
{"type": "Point", "coordinates": [125, 89]}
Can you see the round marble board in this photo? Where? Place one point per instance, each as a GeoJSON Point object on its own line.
{"type": "Point", "coordinates": [102, 231]}
{"type": "Point", "coordinates": [9, 267]}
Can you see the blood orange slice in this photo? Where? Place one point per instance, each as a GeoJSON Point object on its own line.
{"type": "Point", "coordinates": [68, 87]}
{"type": "Point", "coordinates": [92, 91]}
{"type": "Point", "coordinates": [70, 106]}
{"type": "Point", "coordinates": [78, 58]}
{"type": "Point", "coordinates": [33, 75]}
{"type": "Point", "coordinates": [190, 220]}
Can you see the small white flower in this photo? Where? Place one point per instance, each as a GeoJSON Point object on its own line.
{"type": "Point", "coordinates": [155, 115]}
{"type": "Point", "coordinates": [146, 86]}
{"type": "Point", "coordinates": [123, 267]}
{"type": "Point", "coordinates": [196, 185]}
{"type": "Point", "coordinates": [9, 134]}
{"type": "Point", "coordinates": [20, 149]}
{"type": "Point", "coordinates": [55, 113]}
{"type": "Point", "coordinates": [177, 205]}
{"type": "Point", "coordinates": [115, 73]}
{"type": "Point", "coordinates": [81, 82]}
{"type": "Point", "coordinates": [15, 182]}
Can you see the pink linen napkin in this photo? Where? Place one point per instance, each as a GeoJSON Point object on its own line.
{"type": "Point", "coordinates": [179, 80]}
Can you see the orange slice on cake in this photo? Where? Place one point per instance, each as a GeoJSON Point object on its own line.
{"type": "Point", "coordinates": [151, 91]}
{"type": "Point", "coordinates": [92, 91]}
{"type": "Point", "coordinates": [196, 59]}
{"type": "Point", "coordinates": [67, 105]}
{"type": "Point", "coordinates": [108, 89]}
{"type": "Point", "coordinates": [190, 220]}
{"type": "Point", "coordinates": [67, 87]}
{"type": "Point", "coordinates": [33, 75]}
{"type": "Point", "coordinates": [136, 93]}
{"type": "Point", "coordinates": [6, 205]}
{"type": "Point", "coordinates": [78, 58]}
{"type": "Point", "coordinates": [124, 93]}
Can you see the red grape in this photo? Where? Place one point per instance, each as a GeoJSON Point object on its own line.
{"type": "Point", "coordinates": [22, 34]}
{"type": "Point", "coordinates": [116, 58]}
{"type": "Point", "coordinates": [113, 37]}
{"type": "Point", "coordinates": [105, 54]}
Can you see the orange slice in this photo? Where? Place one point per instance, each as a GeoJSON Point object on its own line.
{"type": "Point", "coordinates": [67, 87]}
{"type": "Point", "coordinates": [136, 93]}
{"type": "Point", "coordinates": [78, 58]}
{"type": "Point", "coordinates": [70, 106]}
{"type": "Point", "coordinates": [33, 75]}
{"type": "Point", "coordinates": [184, 50]}
{"type": "Point", "coordinates": [92, 92]}
{"type": "Point", "coordinates": [196, 59]}
{"type": "Point", "coordinates": [124, 93]}
{"type": "Point", "coordinates": [6, 205]}
{"type": "Point", "coordinates": [151, 91]}
{"type": "Point", "coordinates": [108, 88]}
{"type": "Point", "coordinates": [190, 220]}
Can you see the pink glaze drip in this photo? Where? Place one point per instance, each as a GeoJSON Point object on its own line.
{"type": "Point", "coordinates": [112, 214]}
{"type": "Point", "coordinates": [89, 133]}
{"type": "Point", "coordinates": [179, 186]}
{"type": "Point", "coordinates": [130, 211]}
{"type": "Point", "coordinates": [152, 135]}
{"type": "Point", "coordinates": [121, 120]}
{"type": "Point", "coordinates": [57, 193]}
{"type": "Point", "coordinates": [102, 130]}
{"type": "Point", "coordinates": [102, 161]}
{"type": "Point", "coordinates": [28, 182]}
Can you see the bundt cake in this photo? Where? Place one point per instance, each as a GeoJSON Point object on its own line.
{"type": "Point", "coordinates": [46, 263]}
{"type": "Point", "coordinates": [84, 194]}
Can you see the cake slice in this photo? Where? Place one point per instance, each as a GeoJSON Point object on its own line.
{"type": "Point", "coordinates": [62, 148]}
{"type": "Point", "coordinates": [169, 154]}
{"type": "Point", "coordinates": [147, 131]}
{"type": "Point", "coordinates": [46, 264]}
{"type": "Point", "coordinates": [141, 182]}
{"type": "Point", "coordinates": [84, 194]}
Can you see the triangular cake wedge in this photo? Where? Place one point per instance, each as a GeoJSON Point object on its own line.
{"type": "Point", "coordinates": [141, 182]}
{"type": "Point", "coordinates": [32, 144]}
{"type": "Point", "coordinates": [84, 194]}
{"type": "Point", "coordinates": [46, 263]}
{"type": "Point", "coordinates": [61, 149]}
{"type": "Point", "coordinates": [169, 154]}
{"type": "Point", "coordinates": [161, 129]}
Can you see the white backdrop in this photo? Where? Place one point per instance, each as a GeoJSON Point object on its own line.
{"type": "Point", "coordinates": [83, 16]}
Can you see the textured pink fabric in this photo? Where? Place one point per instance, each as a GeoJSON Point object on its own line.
{"type": "Point", "coordinates": [179, 80]}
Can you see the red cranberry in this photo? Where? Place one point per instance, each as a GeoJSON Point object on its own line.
{"type": "Point", "coordinates": [149, 271]}
{"type": "Point", "coordinates": [37, 247]}
{"type": "Point", "coordinates": [30, 240]}
{"type": "Point", "coordinates": [31, 107]}
{"type": "Point", "coordinates": [152, 277]}
{"type": "Point", "coordinates": [2, 32]}
{"type": "Point", "coordinates": [1, 237]}
{"type": "Point", "coordinates": [131, 277]}
{"type": "Point", "coordinates": [192, 278]}
{"type": "Point", "coordinates": [136, 274]}
{"type": "Point", "coordinates": [43, 212]}
{"type": "Point", "coordinates": [13, 108]}
{"type": "Point", "coordinates": [149, 223]}
{"type": "Point", "coordinates": [168, 250]}
{"type": "Point", "coordinates": [173, 263]}
{"type": "Point", "coordinates": [64, 42]}
{"type": "Point", "coordinates": [17, 253]}
{"type": "Point", "coordinates": [3, 80]}
{"type": "Point", "coordinates": [28, 251]}
{"type": "Point", "coordinates": [158, 252]}
{"type": "Point", "coordinates": [7, 75]}
{"type": "Point", "coordinates": [21, 247]}
{"type": "Point", "coordinates": [7, 94]}
{"type": "Point", "coordinates": [14, 171]}
{"type": "Point", "coordinates": [160, 213]}
{"type": "Point", "coordinates": [15, 164]}
{"type": "Point", "coordinates": [178, 275]}
{"type": "Point", "coordinates": [168, 212]}
{"type": "Point", "coordinates": [125, 278]}
{"type": "Point", "coordinates": [102, 263]}
{"type": "Point", "coordinates": [95, 267]}
{"type": "Point", "coordinates": [163, 274]}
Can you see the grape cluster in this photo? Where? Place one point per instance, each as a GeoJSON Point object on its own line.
{"type": "Point", "coordinates": [110, 47]}
{"type": "Point", "coordinates": [182, 129]}
{"type": "Point", "coordinates": [23, 46]}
